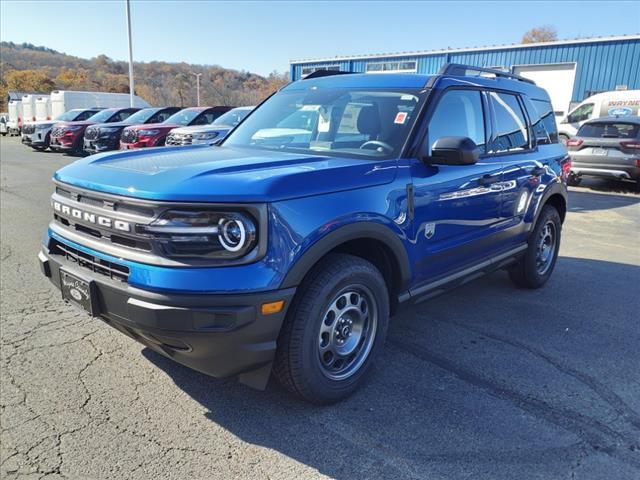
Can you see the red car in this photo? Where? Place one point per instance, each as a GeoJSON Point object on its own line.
{"type": "Point", "coordinates": [69, 136]}
{"type": "Point", "coordinates": [154, 134]}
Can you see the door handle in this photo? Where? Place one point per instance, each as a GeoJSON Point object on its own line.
{"type": "Point", "coordinates": [488, 179]}
{"type": "Point", "coordinates": [538, 171]}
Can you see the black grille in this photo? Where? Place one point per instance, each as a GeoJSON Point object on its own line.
{"type": "Point", "coordinates": [90, 262]}
{"type": "Point", "coordinates": [129, 136]}
{"type": "Point", "coordinates": [91, 133]}
{"type": "Point", "coordinates": [28, 128]}
{"type": "Point", "coordinates": [57, 132]}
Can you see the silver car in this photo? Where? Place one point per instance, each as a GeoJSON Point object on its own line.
{"type": "Point", "coordinates": [606, 147]}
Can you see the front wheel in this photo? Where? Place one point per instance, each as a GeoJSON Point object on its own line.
{"type": "Point", "coordinates": [535, 268]}
{"type": "Point", "coordinates": [334, 330]}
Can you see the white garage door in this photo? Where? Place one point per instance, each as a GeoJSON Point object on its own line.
{"type": "Point", "coordinates": [556, 79]}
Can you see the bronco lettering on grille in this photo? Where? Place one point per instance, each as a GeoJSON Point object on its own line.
{"type": "Point", "coordinates": [91, 217]}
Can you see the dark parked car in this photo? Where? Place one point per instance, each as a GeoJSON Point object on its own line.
{"type": "Point", "coordinates": [606, 147]}
{"type": "Point", "coordinates": [286, 248]}
{"type": "Point", "coordinates": [106, 136]}
{"type": "Point", "coordinates": [68, 137]}
{"type": "Point", "coordinates": [155, 134]}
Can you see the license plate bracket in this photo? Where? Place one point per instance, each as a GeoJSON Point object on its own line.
{"type": "Point", "coordinates": [79, 292]}
{"type": "Point", "coordinates": [601, 152]}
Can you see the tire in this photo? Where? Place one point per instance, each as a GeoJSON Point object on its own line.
{"type": "Point", "coordinates": [574, 180]}
{"type": "Point", "coordinates": [340, 312]}
{"type": "Point", "coordinates": [539, 260]}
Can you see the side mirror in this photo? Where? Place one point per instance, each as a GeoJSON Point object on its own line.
{"type": "Point", "coordinates": [454, 151]}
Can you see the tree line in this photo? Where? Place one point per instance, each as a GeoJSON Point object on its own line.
{"type": "Point", "coordinates": [28, 68]}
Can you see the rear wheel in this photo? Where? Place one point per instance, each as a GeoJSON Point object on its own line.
{"type": "Point", "coordinates": [334, 330]}
{"type": "Point", "coordinates": [574, 180]}
{"type": "Point", "coordinates": [535, 268]}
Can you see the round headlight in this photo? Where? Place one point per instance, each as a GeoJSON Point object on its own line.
{"type": "Point", "coordinates": [232, 234]}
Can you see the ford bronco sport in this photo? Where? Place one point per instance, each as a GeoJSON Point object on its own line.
{"type": "Point", "coordinates": [286, 248]}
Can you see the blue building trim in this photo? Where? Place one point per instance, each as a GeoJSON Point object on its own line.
{"type": "Point", "coordinates": [601, 63]}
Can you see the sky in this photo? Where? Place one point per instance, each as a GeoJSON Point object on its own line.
{"type": "Point", "coordinates": [264, 36]}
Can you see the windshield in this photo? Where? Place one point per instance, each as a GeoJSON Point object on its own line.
{"type": "Point", "coordinates": [141, 116]}
{"type": "Point", "coordinates": [102, 116]}
{"type": "Point", "coordinates": [69, 116]}
{"type": "Point", "coordinates": [232, 117]}
{"type": "Point", "coordinates": [340, 122]}
{"type": "Point", "coordinates": [183, 117]}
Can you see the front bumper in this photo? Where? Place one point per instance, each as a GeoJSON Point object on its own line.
{"type": "Point", "coordinates": [63, 144]}
{"type": "Point", "coordinates": [100, 145]}
{"type": "Point", "coordinates": [219, 335]}
{"type": "Point", "coordinates": [36, 139]}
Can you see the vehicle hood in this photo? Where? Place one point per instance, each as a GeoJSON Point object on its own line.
{"type": "Point", "coordinates": [201, 173]}
{"type": "Point", "coordinates": [114, 124]}
{"type": "Point", "coordinates": [84, 123]}
{"type": "Point", "coordinates": [153, 126]}
{"type": "Point", "coordinates": [203, 129]}
{"type": "Point", "coordinates": [43, 122]}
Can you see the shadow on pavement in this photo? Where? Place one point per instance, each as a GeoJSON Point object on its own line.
{"type": "Point", "coordinates": [582, 201]}
{"type": "Point", "coordinates": [486, 380]}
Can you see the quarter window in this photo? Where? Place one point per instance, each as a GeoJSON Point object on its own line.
{"type": "Point", "coordinates": [544, 122]}
{"type": "Point", "coordinates": [459, 114]}
{"type": "Point", "coordinates": [511, 124]}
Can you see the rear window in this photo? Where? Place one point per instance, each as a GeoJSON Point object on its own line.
{"type": "Point", "coordinates": [610, 130]}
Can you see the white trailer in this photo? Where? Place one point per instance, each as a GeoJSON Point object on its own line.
{"type": "Point", "coordinates": [65, 100]}
{"type": "Point", "coordinates": [14, 125]}
{"type": "Point", "coordinates": [43, 107]}
{"type": "Point", "coordinates": [28, 108]}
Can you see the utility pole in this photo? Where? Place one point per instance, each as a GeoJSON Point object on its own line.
{"type": "Point", "coordinates": [130, 54]}
{"type": "Point", "coordinates": [197, 85]}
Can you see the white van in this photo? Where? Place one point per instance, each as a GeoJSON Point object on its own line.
{"type": "Point", "coordinates": [14, 125]}
{"type": "Point", "coordinates": [64, 100]}
{"type": "Point", "coordinates": [43, 107]}
{"type": "Point", "coordinates": [621, 103]}
{"type": "Point", "coordinates": [28, 108]}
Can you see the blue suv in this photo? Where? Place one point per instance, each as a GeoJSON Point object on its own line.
{"type": "Point", "coordinates": [286, 248]}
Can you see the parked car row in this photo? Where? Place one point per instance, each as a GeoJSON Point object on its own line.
{"type": "Point", "coordinates": [87, 131]}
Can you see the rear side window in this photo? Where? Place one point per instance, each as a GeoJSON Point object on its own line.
{"type": "Point", "coordinates": [543, 122]}
{"type": "Point", "coordinates": [459, 114]}
{"type": "Point", "coordinates": [120, 116]}
{"type": "Point", "coordinates": [85, 115]}
{"type": "Point", "coordinates": [610, 130]}
{"type": "Point", "coordinates": [511, 125]}
{"type": "Point", "coordinates": [161, 116]}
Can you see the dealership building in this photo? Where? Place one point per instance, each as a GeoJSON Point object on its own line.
{"type": "Point", "coordinates": [570, 70]}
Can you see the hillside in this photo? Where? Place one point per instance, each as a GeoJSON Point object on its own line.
{"type": "Point", "coordinates": [27, 67]}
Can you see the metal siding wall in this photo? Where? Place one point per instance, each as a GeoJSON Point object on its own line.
{"type": "Point", "coordinates": [600, 66]}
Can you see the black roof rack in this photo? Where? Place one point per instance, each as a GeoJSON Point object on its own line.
{"type": "Point", "coordinates": [460, 70]}
{"type": "Point", "coordinates": [324, 73]}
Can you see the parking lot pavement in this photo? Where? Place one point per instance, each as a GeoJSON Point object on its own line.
{"type": "Point", "coordinates": [486, 382]}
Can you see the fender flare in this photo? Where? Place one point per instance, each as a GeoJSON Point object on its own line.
{"type": "Point", "coordinates": [553, 189]}
{"type": "Point", "coordinates": [354, 231]}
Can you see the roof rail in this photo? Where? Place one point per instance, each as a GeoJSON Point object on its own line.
{"type": "Point", "coordinates": [460, 70]}
{"type": "Point", "coordinates": [324, 73]}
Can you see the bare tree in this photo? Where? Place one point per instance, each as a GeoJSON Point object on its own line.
{"type": "Point", "coordinates": [545, 33]}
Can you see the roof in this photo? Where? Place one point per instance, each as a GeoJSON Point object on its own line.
{"type": "Point", "coordinates": [471, 49]}
{"type": "Point", "coordinates": [363, 80]}
{"type": "Point", "coordinates": [13, 95]}
{"type": "Point", "coordinates": [628, 119]}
